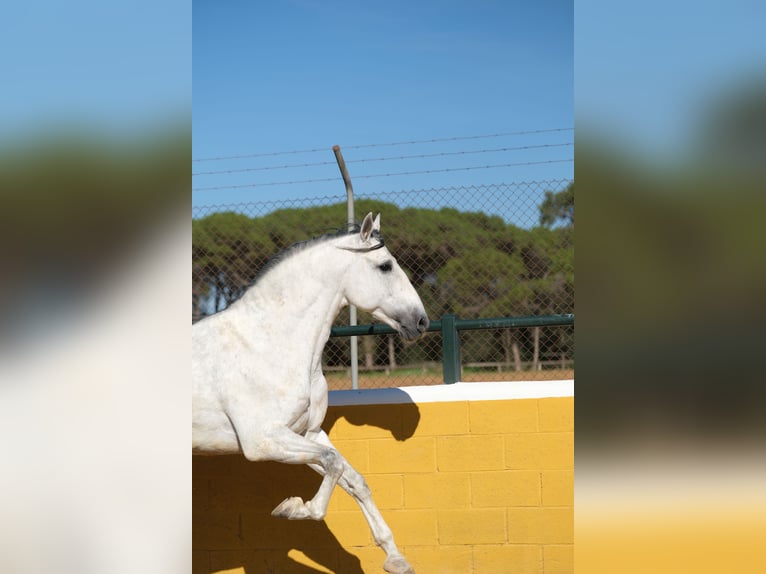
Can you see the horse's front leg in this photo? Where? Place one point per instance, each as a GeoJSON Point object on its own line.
{"type": "Point", "coordinates": [283, 445]}
{"type": "Point", "coordinates": [354, 484]}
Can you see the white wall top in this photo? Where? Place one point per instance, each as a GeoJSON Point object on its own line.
{"type": "Point", "coordinates": [491, 391]}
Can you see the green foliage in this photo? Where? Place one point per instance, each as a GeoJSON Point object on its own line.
{"type": "Point", "coordinates": [468, 263]}
{"type": "Point", "coordinates": [558, 207]}
{"type": "Point", "coordinates": [468, 285]}
{"type": "Point", "coordinates": [471, 264]}
{"type": "Point", "coordinates": [75, 204]}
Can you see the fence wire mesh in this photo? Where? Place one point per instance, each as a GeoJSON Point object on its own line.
{"type": "Point", "coordinates": [478, 251]}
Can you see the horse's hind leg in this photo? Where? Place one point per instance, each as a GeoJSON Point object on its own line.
{"type": "Point", "coordinates": [353, 483]}
{"type": "Point", "coordinates": [283, 445]}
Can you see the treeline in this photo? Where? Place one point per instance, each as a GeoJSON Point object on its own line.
{"type": "Point", "coordinates": [471, 264]}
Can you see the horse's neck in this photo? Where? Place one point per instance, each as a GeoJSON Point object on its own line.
{"type": "Point", "coordinates": [299, 298]}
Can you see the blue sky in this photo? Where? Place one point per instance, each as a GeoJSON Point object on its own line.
{"type": "Point", "coordinates": [111, 67]}
{"type": "Point", "coordinates": [648, 72]}
{"type": "Point", "coordinates": [296, 75]}
{"type": "Point", "coordinates": [286, 75]}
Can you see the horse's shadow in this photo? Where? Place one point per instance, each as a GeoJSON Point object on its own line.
{"type": "Point", "coordinates": [402, 426]}
{"type": "Point", "coordinates": [232, 524]}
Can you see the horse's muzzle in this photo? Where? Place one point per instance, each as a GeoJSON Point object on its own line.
{"type": "Point", "coordinates": [415, 327]}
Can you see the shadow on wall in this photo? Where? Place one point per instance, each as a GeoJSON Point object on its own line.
{"type": "Point", "coordinates": [401, 428]}
{"type": "Point", "coordinates": [233, 498]}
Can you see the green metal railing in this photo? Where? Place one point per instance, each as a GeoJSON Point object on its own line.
{"type": "Point", "coordinates": [450, 327]}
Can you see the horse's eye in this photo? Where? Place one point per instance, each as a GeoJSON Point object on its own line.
{"type": "Point", "coordinates": [386, 267]}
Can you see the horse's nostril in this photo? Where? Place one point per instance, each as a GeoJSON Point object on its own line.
{"type": "Point", "coordinates": [423, 323]}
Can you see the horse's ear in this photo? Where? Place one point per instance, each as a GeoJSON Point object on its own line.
{"type": "Point", "coordinates": [376, 223]}
{"type": "Point", "coordinates": [368, 226]}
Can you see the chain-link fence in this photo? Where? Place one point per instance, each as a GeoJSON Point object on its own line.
{"type": "Point", "coordinates": [472, 251]}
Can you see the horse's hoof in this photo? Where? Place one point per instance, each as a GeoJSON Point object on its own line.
{"type": "Point", "coordinates": [398, 565]}
{"type": "Point", "coordinates": [292, 508]}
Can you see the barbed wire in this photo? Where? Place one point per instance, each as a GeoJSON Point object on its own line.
{"type": "Point", "coordinates": [379, 159]}
{"type": "Point", "coordinates": [367, 176]}
{"type": "Point", "coordinates": [201, 210]}
{"type": "Point", "coordinates": [386, 144]}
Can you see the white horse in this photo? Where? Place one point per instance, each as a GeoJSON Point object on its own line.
{"type": "Point", "coordinates": [257, 379]}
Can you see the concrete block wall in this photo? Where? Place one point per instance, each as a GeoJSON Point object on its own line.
{"type": "Point", "coordinates": [472, 478]}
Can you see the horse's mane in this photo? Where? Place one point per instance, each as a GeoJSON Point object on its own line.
{"type": "Point", "coordinates": [295, 248]}
{"type": "Point", "coordinates": [349, 229]}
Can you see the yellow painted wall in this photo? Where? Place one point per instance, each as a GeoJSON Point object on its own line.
{"type": "Point", "coordinates": [467, 487]}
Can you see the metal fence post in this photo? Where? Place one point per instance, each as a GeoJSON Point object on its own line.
{"type": "Point", "coordinates": [450, 349]}
{"type": "Point", "coordinates": [353, 341]}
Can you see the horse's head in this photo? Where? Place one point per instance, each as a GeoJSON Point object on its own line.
{"type": "Point", "coordinates": [379, 286]}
